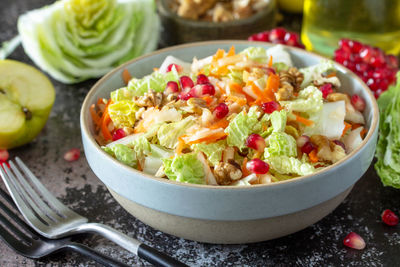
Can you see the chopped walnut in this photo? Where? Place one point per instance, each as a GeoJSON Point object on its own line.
{"type": "Point", "coordinates": [193, 9]}
{"type": "Point", "coordinates": [226, 173]}
{"type": "Point", "coordinates": [338, 97]}
{"type": "Point", "coordinates": [221, 13]}
{"type": "Point", "coordinates": [292, 76]}
{"type": "Point", "coordinates": [327, 149]}
{"type": "Point", "coordinates": [149, 99]}
{"type": "Point", "coordinates": [285, 92]}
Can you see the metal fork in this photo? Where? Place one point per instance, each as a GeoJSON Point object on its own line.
{"type": "Point", "coordinates": [23, 239]}
{"type": "Point", "coordinates": [52, 219]}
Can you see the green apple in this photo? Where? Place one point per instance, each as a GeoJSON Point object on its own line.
{"type": "Point", "coordinates": [26, 99]}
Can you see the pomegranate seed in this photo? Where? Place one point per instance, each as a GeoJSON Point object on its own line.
{"type": "Point", "coordinates": [326, 89]}
{"type": "Point", "coordinates": [270, 107]}
{"type": "Point", "coordinates": [186, 95]}
{"type": "Point", "coordinates": [172, 87]}
{"type": "Point", "coordinates": [358, 102]}
{"type": "Point", "coordinates": [366, 54]}
{"type": "Point", "coordinates": [118, 134]}
{"type": "Point", "coordinates": [389, 217]}
{"type": "Point", "coordinates": [186, 82]}
{"type": "Point", "coordinates": [377, 61]}
{"type": "Point", "coordinates": [339, 143]}
{"type": "Point", "coordinates": [177, 67]}
{"type": "Point", "coordinates": [257, 166]}
{"type": "Point", "coordinates": [353, 240]}
{"type": "Point", "coordinates": [277, 34]}
{"type": "Point", "coordinates": [202, 79]}
{"type": "Point", "coordinates": [301, 140]}
{"type": "Point", "coordinates": [269, 71]}
{"type": "Point", "coordinates": [256, 142]}
{"type": "Point", "coordinates": [221, 111]}
{"type": "Point", "coordinates": [201, 90]}
{"type": "Point", "coordinates": [4, 155]}
{"type": "Point", "coordinates": [291, 39]}
{"type": "Point", "coordinates": [72, 155]}
{"type": "Point", "coordinates": [307, 147]}
{"type": "Point", "coordinates": [356, 47]}
{"type": "Point", "coordinates": [361, 67]}
{"type": "Point", "coordinates": [345, 44]}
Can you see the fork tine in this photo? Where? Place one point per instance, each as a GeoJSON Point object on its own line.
{"type": "Point", "coordinates": [34, 196]}
{"type": "Point", "coordinates": [22, 206]}
{"type": "Point", "coordinates": [60, 207]}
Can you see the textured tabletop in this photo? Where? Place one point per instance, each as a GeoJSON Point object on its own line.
{"type": "Point", "coordinates": [77, 186]}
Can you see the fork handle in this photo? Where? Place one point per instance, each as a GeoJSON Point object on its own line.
{"type": "Point", "coordinates": [93, 254]}
{"type": "Point", "coordinates": [133, 245]}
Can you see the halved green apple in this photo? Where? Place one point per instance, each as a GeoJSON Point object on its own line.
{"type": "Point", "coordinates": [26, 99]}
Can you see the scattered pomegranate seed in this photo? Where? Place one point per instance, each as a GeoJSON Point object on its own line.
{"type": "Point", "coordinates": [389, 217]}
{"type": "Point", "coordinates": [201, 90]}
{"type": "Point", "coordinates": [118, 134]}
{"type": "Point", "coordinates": [202, 79]}
{"type": "Point", "coordinates": [358, 102]}
{"type": "Point", "coordinates": [186, 95]}
{"type": "Point", "coordinates": [172, 87]}
{"type": "Point", "coordinates": [278, 36]}
{"type": "Point", "coordinates": [72, 155]}
{"type": "Point", "coordinates": [270, 107]}
{"type": "Point", "coordinates": [339, 143]}
{"type": "Point", "coordinates": [257, 166]}
{"type": "Point", "coordinates": [326, 89]}
{"type": "Point", "coordinates": [186, 83]}
{"type": "Point", "coordinates": [4, 155]}
{"type": "Point", "coordinates": [177, 67]}
{"type": "Point", "coordinates": [353, 240]}
{"type": "Point", "coordinates": [371, 64]}
{"type": "Point", "coordinates": [256, 142]}
{"type": "Point", "coordinates": [221, 111]}
{"type": "Point", "coordinates": [307, 148]}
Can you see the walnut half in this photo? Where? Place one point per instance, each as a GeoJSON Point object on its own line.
{"type": "Point", "coordinates": [226, 173]}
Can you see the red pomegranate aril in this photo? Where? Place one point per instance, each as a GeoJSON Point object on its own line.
{"type": "Point", "coordinates": [72, 154]}
{"type": "Point", "coordinates": [339, 143]}
{"type": "Point", "coordinates": [221, 111]}
{"type": "Point", "coordinates": [257, 166]}
{"type": "Point", "coordinates": [172, 87]}
{"type": "Point", "coordinates": [177, 67]}
{"type": "Point", "coordinates": [389, 217]}
{"type": "Point", "coordinates": [358, 102]}
{"type": "Point", "coordinates": [354, 240]}
{"type": "Point", "coordinates": [307, 147]}
{"type": "Point", "coordinates": [326, 89]}
{"type": "Point", "coordinates": [345, 44]}
{"type": "Point", "coordinates": [269, 107]}
{"type": "Point", "coordinates": [118, 134]}
{"type": "Point", "coordinates": [4, 155]}
{"type": "Point", "coordinates": [302, 140]}
{"type": "Point", "coordinates": [366, 53]}
{"type": "Point", "coordinates": [356, 47]}
{"type": "Point", "coordinates": [277, 34]}
{"type": "Point", "coordinates": [186, 95]}
{"type": "Point", "coordinates": [186, 82]}
{"type": "Point", "coordinates": [361, 67]}
{"type": "Point", "coordinates": [202, 79]}
{"type": "Point", "coordinates": [256, 142]}
{"type": "Point", "coordinates": [207, 89]}
{"type": "Point", "coordinates": [291, 39]}
{"type": "Point", "coordinates": [377, 61]}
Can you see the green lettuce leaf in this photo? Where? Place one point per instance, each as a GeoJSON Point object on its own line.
{"type": "Point", "coordinates": [280, 66]}
{"type": "Point", "coordinates": [309, 100]}
{"type": "Point", "coordinates": [315, 72]}
{"type": "Point", "coordinates": [213, 151]}
{"type": "Point", "coordinates": [156, 81]}
{"type": "Point", "coordinates": [122, 113]}
{"type": "Point", "coordinates": [168, 133]}
{"type": "Point", "coordinates": [242, 126]}
{"type": "Point", "coordinates": [281, 144]}
{"type": "Point", "coordinates": [141, 146]}
{"type": "Point", "coordinates": [289, 165]}
{"type": "Point", "coordinates": [185, 168]}
{"type": "Point", "coordinates": [257, 54]}
{"type": "Point", "coordinates": [235, 76]}
{"type": "Point", "coordinates": [388, 147]}
{"type": "Point", "coordinates": [76, 40]}
{"type": "Point", "coordinates": [121, 94]}
{"type": "Point", "coordinates": [278, 120]}
{"type": "Point", "coordinates": [122, 153]}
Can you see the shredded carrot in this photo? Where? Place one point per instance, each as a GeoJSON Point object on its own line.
{"type": "Point", "coordinates": [363, 133]}
{"type": "Point", "coordinates": [221, 89]}
{"type": "Point", "coordinates": [208, 139]}
{"type": "Point", "coordinates": [347, 126]}
{"type": "Point", "coordinates": [100, 101]}
{"type": "Point", "coordinates": [239, 89]}
{"type": "Point", "coordinates": [180, 146]}
{"type": "Point", "coordinates": [313, 156]}
{"type": "Point", "coordinates": [126, 76]}
{"type": "Point", "coordinates": [304, 121]}
{"type": "Point", "coordinates": [355, 126]}
{"type": "Point", "coordinates": [104, 121]}
{"type": "Point", "coordinates": [208, 99]}
{"type": "Point", "coordinates": [272, 84]}
{"type": "Point", "coordinates": [95, 117]}
{"type": "Point", "coordinates": [139, 166]}
{"type": "Point", "coordinates": [240, 100]}
{"type": "Point", "coordinates": [231, 51]}
{"type": "Point", "coordinates": [222, 123]}
{"type": "Point", "coordinates": [220, 54]}
{"type": "Point", "coordinates": [270, 61]}
{"type": "Point", "coordinates": [257, 91]}
{"type": "Point", "coordinates": [245, 171]}
{"type": "Point", "coordinates": [330, 75]}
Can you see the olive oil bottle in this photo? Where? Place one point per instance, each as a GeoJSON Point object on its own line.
{"type": "Point", "coordinates": [374, 22]}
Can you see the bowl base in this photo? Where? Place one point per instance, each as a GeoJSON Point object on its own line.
{"type": "Point", "coordinates": [230, 232]}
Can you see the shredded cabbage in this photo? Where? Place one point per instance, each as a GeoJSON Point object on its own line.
{"type": "Point", "coordinates": [281, 144]}
{"type": "Point", "coordinates": [185, 168]}
{"type": "Point", "coordinates": [168, 134]}
{"type": "Point", "coordinates": [122, 113]}
{"type": "Point", "coordinates": [290, 165]}
{"type": "Point", "coordinates": [122, 153]}
{"type": "Point", "coordinates": [315, 72]}
{"type": "Point", "coordinates": [309, 101]}
{"type": "Point", "coordinates": [213, 151]}
{"type": "Point", "coordinates": [74, 40]}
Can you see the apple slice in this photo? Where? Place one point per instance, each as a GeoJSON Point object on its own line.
{"type": "Point", "coordinates": [26, 99]}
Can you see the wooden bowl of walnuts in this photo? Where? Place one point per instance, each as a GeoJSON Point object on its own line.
{"type": "Point", "coordinates": [185, 21]}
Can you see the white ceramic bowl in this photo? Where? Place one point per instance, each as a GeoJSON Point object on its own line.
{"type": "Point", "coordinates": [223, 214]}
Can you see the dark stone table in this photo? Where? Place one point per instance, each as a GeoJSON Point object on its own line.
{"type": "Point", "coordinates": [76, 185]}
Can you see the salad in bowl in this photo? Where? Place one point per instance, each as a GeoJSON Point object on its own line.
{"type": "Point", "coordinates": [233, 118]}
